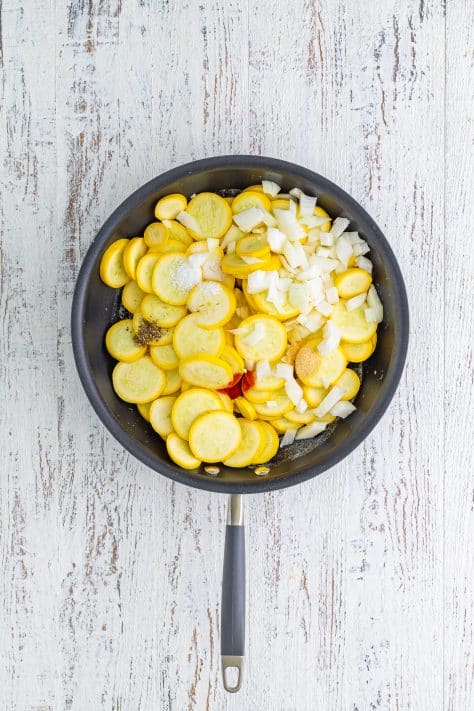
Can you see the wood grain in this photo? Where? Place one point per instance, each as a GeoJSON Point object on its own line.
{"type": "Point", "coordinates": [360, 593]}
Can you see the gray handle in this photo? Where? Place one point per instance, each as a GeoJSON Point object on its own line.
{"type": "Point", "coordinates": [233, 596]}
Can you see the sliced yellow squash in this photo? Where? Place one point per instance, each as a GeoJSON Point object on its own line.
{"type": "Point", "coordinates": [144, 272]}
{"type": "Point", "coordinates": [319, 371]}
{"type": "Point", "coordinates": [144, 409]}
{"type": "Point", "coordinates": [212, 302]}
{"type": "Point", "coordinates": [121, 343]}
{"type": "Point", "coordinates": [173, 278]}
{"type": "Point", "coordinates": [261, 337]}
{"type": "Point", "coordinates": [350, 382]}
{"type": "Point", "coordinates": [133, 252]}
{"type": "Point", "coordinates": [252, 443]}
{"type": "Point", "coordinates": [353, 325]}
{"type": "Point", "coordinates": [161, 313]}
{"type": "Point", "coordinates": [278, 405]}
{"type": "Point", "coordinates": [352, 282]}
{"type": "Point", "coordinates": [253, 246]}
{"type": "Point", "coordinates": [156, 235]}
{"type": "Point", "coordinates": [215, 436]}
{"type": "Point", "coordinates": [168, 207]}
{"type": "Point", "coordinates": [212, 213]}
{"type": "Point", "coordinates": [132, 296]}
{"type": "Point", "coordinates": [138, 382]}
{"type": "Point", "coordinates": [250, 198]}
{"type": "Point", "coordinates": [190, 339]}
{"type": "Point", "coordinates": [173, 382]}
{"type": "Point", "coordinates": [164, 357]}
{"type": "Point", "coordinates": [179, 452]}
{"type": "Point", "coordinates": [245, 408]}
{"type": "Point", "coordinates": [206, 371]}
{"type": "Point", "coordinates": [358, 352]}
{"type": "Point", "coordinates": [178, 232]}
{"type": "Point", "coordinates": [160, 415]}
{"type": "Point", "coordinates": [112, 271]}
{"type": "Point", "coordinates": [192, 404]}
{"type": "Point", "coordinates": [271, 444]}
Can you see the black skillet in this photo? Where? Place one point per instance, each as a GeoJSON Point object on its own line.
{"type": "Point", "coordinates": [95, 307]}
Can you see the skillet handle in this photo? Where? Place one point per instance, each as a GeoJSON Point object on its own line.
{"type": "Point", "coordinates": [233, 596]}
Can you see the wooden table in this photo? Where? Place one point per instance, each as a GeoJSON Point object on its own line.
{"type": "Point", "coordinates": [360, 590]}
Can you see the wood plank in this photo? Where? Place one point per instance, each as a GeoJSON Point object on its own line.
{"type": "Point", "coordinates": [458, 363]}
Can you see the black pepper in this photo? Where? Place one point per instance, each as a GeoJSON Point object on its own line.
{"type": "Point", "coordinates": [147, 332]}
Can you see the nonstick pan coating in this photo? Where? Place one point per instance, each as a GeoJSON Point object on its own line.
{"type": "Point", "coordinates": [96, 306]}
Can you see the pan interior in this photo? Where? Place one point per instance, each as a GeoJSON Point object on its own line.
{"type": "Point", "coordinates": [96, 306]}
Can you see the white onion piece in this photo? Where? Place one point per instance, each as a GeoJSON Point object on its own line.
{"type": "Point", "coordinates": [310, 431]}
{"type": "Point", "coordinates": [332, 295]}
{"type": "Point", "coordinates": [282, 370]}
{"type": "Point", "coordinates": [324, 308]}
{"type": "Point", "coordinates": [373, 314]}
{"type": "Point", "coordinates": [353, 237]}
{"type": "Point", "coordinates": [288, 224]}
{"type": "Point", "coordinates": [187, 220]}
{"type": "Point", "coordinates": [263, 370]}
{"type": "Point", "coordinates": [360, 248]}
{"type": "Point", "coordinates": [284, 283]}
{"type": "Point", "coordinates": [355, 302]}
{"type": "Point", "coordinates": [290, 254]}
{"type": "Point", "coordinates": [257, 281]}
{"type": "Point", "coordinates": [293, 391]}
{"type": "Point", "coordinates": [302, 406]}
{"type": "Point", "coordinates": [313, 221]}
{"type": "Point", "coordinates": [342, 409]}
{"type": "Point", "coordinates": [296, 192]}
{"type": "Point", "coordinates": [325, 252]}
{"type": "Point", "coordinates": [339, 225]}
{"type": "Point", "coordinates": [364, 263]}
{"type": "Point", "coordinates": [331, 340]}
{"type": "Point", "coordinates": [270, 188]}
{"type": "Point", "coordinates": [343, 250]}
{"type": "Point", "coordinates": [197, 259]}
{"type": "Point", "coordinates": [256, 335]}
{"type": "Point", "coordinates": [333, 396]}
{"type": "Point", "coordinates": [248, 219]}
{"type": "Point", "coordinates": [252, 260]}
{"type": "Point", "coordinates": [326, 239]}
{"type": "Point", "coordinates": [212, 243]}
{"type": "Point", "coordinates": [301, 254]}
{"type": "Point", "coordinates": [231, 248]}
{"type": "Point", "coordinates": [307, 204]}
{"type": "Point", "coordinates": [268, 218]}
{"type": "Point", "coordinates": [276, 239]}
{"type": "Point", "coordinates": [249, 364]}
{"type": "Point", "coordinates": [288, 437]}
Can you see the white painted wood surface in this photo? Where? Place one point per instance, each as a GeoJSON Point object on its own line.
{"type": "Point", "coordinates": [360, 581]}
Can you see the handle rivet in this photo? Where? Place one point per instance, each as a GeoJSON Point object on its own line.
{"type": "Point", "coordinates": [213, 471]}
{"type": "Point", "coordinates": [262, 471]}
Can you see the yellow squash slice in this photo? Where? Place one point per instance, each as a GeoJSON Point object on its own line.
{"type": "Point", "coordinates": [253, 188]}
{"type": "Point", "coordinates": [144, 271]}
{"type": "Point", "coordinates": [173, 278]}
{"type": "Point", "coordinates": [190, 339]}
{"type": "Point", "coordinates": [169, 206]}
{"type": "Point", "coordinates": [352, 282]}
{"type": "Point", "coordinates": [133, 252]}
{"type": "Point", "coordinates": [121, 344]}
{"type": "Point", "coordinates": [215, 436]}
{"type": "Point", "coordinates": [350, 382]}
{"type": "Point", "coordinates": [314, 396]}
{"type": "Point", "coordinates": [192, 404]}
{"type": "Point", "coordinates": [278, 405]}
{"type": "Point", "coordinates": [271, 444]}
{"type": "Point", "coordinates": [269, 383]}
{"type": "Point", "coordinates": [245, 408]}
{"type": "Point", "coordinates": [212, 302]}
{"type": "Point", "coordinates": [252, 444]}
{"type": "Point", "coordinates": [178, 232]}
{"type": "Point", "coordinates": [261, 337]}
{"type": "Point", "coordinates": [161, 313]}
{"type": "Point", "coordinates": [250, 198]}
{"type": "Point", "coordinates": [132, 296]}
{"type": "Point", "coordinates": [206, 371]}
{"type": "Point", "coordinates": [282, 425]}
{"type": "Point", "coordinates": [112, 271]}
{"type": "Point", "coordinates": [160, 415]}
{"type": "Point", "coordinates": [358, 352]}
{"type": "Point", "coordinates": [212, 213]}
{"type": "Point", "coordinates": [230, 355]}
{"type": "Point", "coordinates": [179, 452]}
{"type": "Point", "coordinates": [283, 313]}
{"type": "Point", "coordinates": [258, 396]}
{"type": "Point", "coordinates": [144, 409]}
{"type": "Point", "coordinates": [164, 357]}
{"type": "Point", "coordinates": [253, 246]}
{"type": "Point", "coordinates": [237, 267]}
{"type": "Point", "coordinates": [300, 418]}
{"type": "Point", "coordinates": [156, 235]}
{"type": "Point", "coordinates": [172, 245]}
{"type": "Point", "coordinates": [316, 370]}
{"type": "Point", "coordinates": [353, 325]}
{"type": "Point", "coordinates": [173, 382]}
{"type": "Point", "coordinates": [226, 401]}
{"type": "Point", "coordinates": [138, 382]}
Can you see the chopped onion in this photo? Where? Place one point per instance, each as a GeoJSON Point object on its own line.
{"type": "Point", "coordinates": [242, 312]}
{"type": "Point", "coordinates": [270, 188]}
{"type": "Point", "coordinates": [313, 221]}
{"type": "Point", "coordinates": [343, 250]}
{"type": "Point", "coordinates": [332, 295]}
{"type": "Point", "coordinates": [313, 320]}
{"type": "Point", "coordinates": [333, 396]}
{"type": "Point", "coordinates": [342, 409]}
{"type": "Point", "coordinates": [231, 248]}
{"type": "Point", "coordinates": [299, 297]}
{"type": "Point", "coordinates": [374, 314]}
{"type": "Point", "coordinates": [256, 335]}
{"type": "Point", "coordinates": [331, 340]}
{"type": "Point", "coordinates": [263, 370]}
{"type": "Point", "coordinates": [339, 225]}
{"type": "Point", "coordinates": [284, 284]}
{"type": "Point", "coordinates": [353, 237]}
{"type": "Point", "coordinates": [292, 207]}
{"type": "Point", "coordinates": [288, 224]}
{"type": "Point", "coordinates": [364, 263]}
{"type": "Point", "coordinates": [316, 290]}
{"type": "Point", "coordinates": [355, 302]}
{"type": "Point", "coordinates": [252, 260]}
{"type": "Point", "coordinates": [325, 252]}
{"type": "Point", "coordinates": [276, 239]}
{"type": "Point", "coordinates": [302, 406]}
{"type": "Point", "coordinates": [287, 266]}
{"type": "Point", "coordinates": [296, 192]}
{"type": "Point", "coordinates": [310, 431]}
{"type": "Point", "coordinates": [268, 218]}
{"type": "Point", "coordinates": [302, 258]}
{"type": "Point", "coordinates": [288, 437]}
{"type": "Point", "coordinates": [212, 243]}
{"type": "Point", "coordinates": [232, 235]}
{"type": "Point", "coordinates": [360, 248]}
{"type": "Point", "coordinates": [307, 204]}
{"type": "Point", "coordinates": [324, 308]}
{"type": "Point", "coordinates": [282, 370]}
{"type": "Point", "coordinates": [197, 259]}
{"type": "Point", "coordinates": [249, 364]}
{"type": "Point", "coordinates": [326, 239]}
{"type": "Point", "coordinates": [293, 390]}
{"type": "Point", "coordinates": [248, 219]}
{"type": "Point", "coordinates": [257, 281]}
{"type": "Point", "coordinates": [290, 254]}
{"type": "Point", "coordinates": [189, 221]}
{"type": "Point", "coordinates": [323, 264]}
{"type": "Point", "coordinates": [311, 273]}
